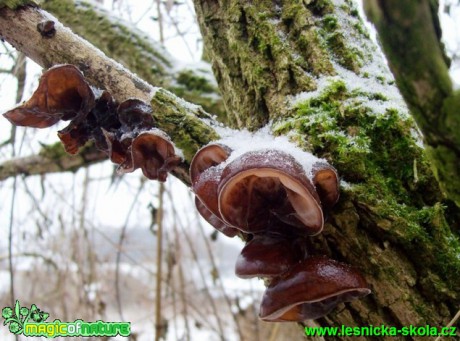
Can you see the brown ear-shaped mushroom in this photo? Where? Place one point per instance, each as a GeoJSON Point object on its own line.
{"type": "Point", "coordinates": [215, 221]}
{"type": "Point", "coordinates": [117, 150]}
{"type": "Point", "coordinates": [261, 186]}
{"type": "Point", "coordinates": [205, 171]}
{"type": "Point", "coordinates": [268, 256]}
{"type": "Point", "coordinates": [209, 156]}
{"type": "Point", "coordinates": [62, 94]}
{"type": "Point", "coordinates": [134, 113]}
{"type": "Point", "coordinates": [326, 182]}
{"type": "Point", "coordinates": [82, 128]}
{"type": "Point", "coordinates": [311, 290]}
{"type": "Point", "coordinates": [153, 152]}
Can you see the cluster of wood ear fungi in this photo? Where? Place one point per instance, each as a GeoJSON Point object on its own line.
{"type": "Point", "coordinates": [125, 131]}
{"type": "Point", "coordinates": [267, 198]}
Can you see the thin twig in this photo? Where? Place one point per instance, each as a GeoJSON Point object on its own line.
{"type": "Point", "coordinates": [179, 33]}
{"type": "Point", "coordinates": [158, 320]}
{"type": "Point", "coordinates": [202, 275]}
{"type": "Point", "coordinates": [182, 291]}
{"type": "Point", "coordinates": [119, 253]}
{"type": "Point", "coordinates": [20, 73]}
{"type": "Point", "coordinates": [450, 324]}
{"type": "Point", "coordinates": [10, 242]}
{"type": "Point", "coordinates": [219, 279]}
{"type": "Point", "coordinates": [160, 22]}
{"type": "Point", "coordinates": [274, 332]}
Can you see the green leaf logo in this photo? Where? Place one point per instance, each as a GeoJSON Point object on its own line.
{"type": "Point", "coordinates": [17, 317]}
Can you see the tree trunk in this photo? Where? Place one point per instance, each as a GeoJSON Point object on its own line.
{"type": "Point", "coordinates": [311, 68]}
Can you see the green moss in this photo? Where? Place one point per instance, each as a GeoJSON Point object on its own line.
{"type": "Point", "coordinates": [346, 56]}
{"type": "Point", "coordinates": [182, 123]}
{"type": "Point", "coordinates": [360, 28]}
{"type": "Point", "coordinates": [335, 42]}
{"type": "Point", "coordinates": [321, 7]}
{"type": "Point", "coordinates": [192, 81]}
{"type": "Point", "coordinates": [376, 153]}
{"type": "Point", "coordinates": [13, 4]}
{"type": "Point", "coordinates": [330, 22]}
{"type": "Point", "coordinates": [54, 151]}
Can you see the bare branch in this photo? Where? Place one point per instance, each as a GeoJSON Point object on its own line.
{"type": "Point", "coordinates": [50, 162]}
{"type": "Point", "coordinates": [181, 120]}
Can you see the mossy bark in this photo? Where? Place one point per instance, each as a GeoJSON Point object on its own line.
{"type": "Point", "coordinates": [13, 4]}
{"type": "Point", "coordinates": [51, 159]}
{"type": "Point", "coordinates": [421, 72]}
{"type": "Point", "coordinates": [311, 69]}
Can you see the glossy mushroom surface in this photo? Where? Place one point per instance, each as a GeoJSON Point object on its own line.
{"type": "Point", "coordinates": [215, 221]}
{"type": "Point", "coordinates": [311, 290]}
{"type": "Point", "coordinates": [126, 132]}
{"type": "Point", "coordinates": [62, 94]}
{"type": "Point", "coordinates": [207, 157]}
{"type": "Point", "coordinates": [205, 173]}
{"type": "Point", "coordinates": [268, 256]}
{"type": "Point", "coordinates": [153, 152]}
{"type": "Point", "coordinates": [326, 183]}
{"type": "Point", "coordinates": [262, 186]}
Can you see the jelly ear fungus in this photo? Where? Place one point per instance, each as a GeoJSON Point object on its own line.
{"type": "Point", "coordinates": [267, 198]}
{"type": "Point", "coordinates": [125, 131]}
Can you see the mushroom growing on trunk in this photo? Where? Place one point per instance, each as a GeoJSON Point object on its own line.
{"type": "Point", "coordinates": [268, 185]}
{"type": "Point", "coordinates": [310, 290]}
{"type": "Point", "coordinates": [205, 173]}
{"type": "Point", "coordinates": [276, 203]}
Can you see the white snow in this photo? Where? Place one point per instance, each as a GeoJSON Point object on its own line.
{"type": "Point", "coordinates": [244, 141]}
{"type": "Point", "coordinates": [374, 77]}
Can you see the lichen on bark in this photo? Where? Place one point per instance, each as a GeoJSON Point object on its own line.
{"type": "Point", "coordinates": [182, 122]}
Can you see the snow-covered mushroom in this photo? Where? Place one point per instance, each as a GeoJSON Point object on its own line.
{"type": "Point", "coordinates": [268, 256]}
{"type": "Point", "coordinates": [310, 290]}
{"type": "Point", "coordinates": [135, 114]}
{"type": "Point", "coordinates": [205, 173]}
{"type": "Point", "coordinates": [266, 185]}
{"type": "Point", "coordinates": [209, 156]}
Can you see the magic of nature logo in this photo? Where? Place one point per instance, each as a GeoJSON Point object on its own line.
{"type": "Point", "coordinates": [32, 322]}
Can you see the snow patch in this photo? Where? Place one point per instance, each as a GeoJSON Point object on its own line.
{"type": "Point", "coordinates": [245, 141]}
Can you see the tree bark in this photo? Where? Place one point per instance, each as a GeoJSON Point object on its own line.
{"type": "Point", "coordinates": [421, 72]}
{"type": "Point", "coordinates": [52, 159]}
{"type": "Point", "coordinates": [311, 68]}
